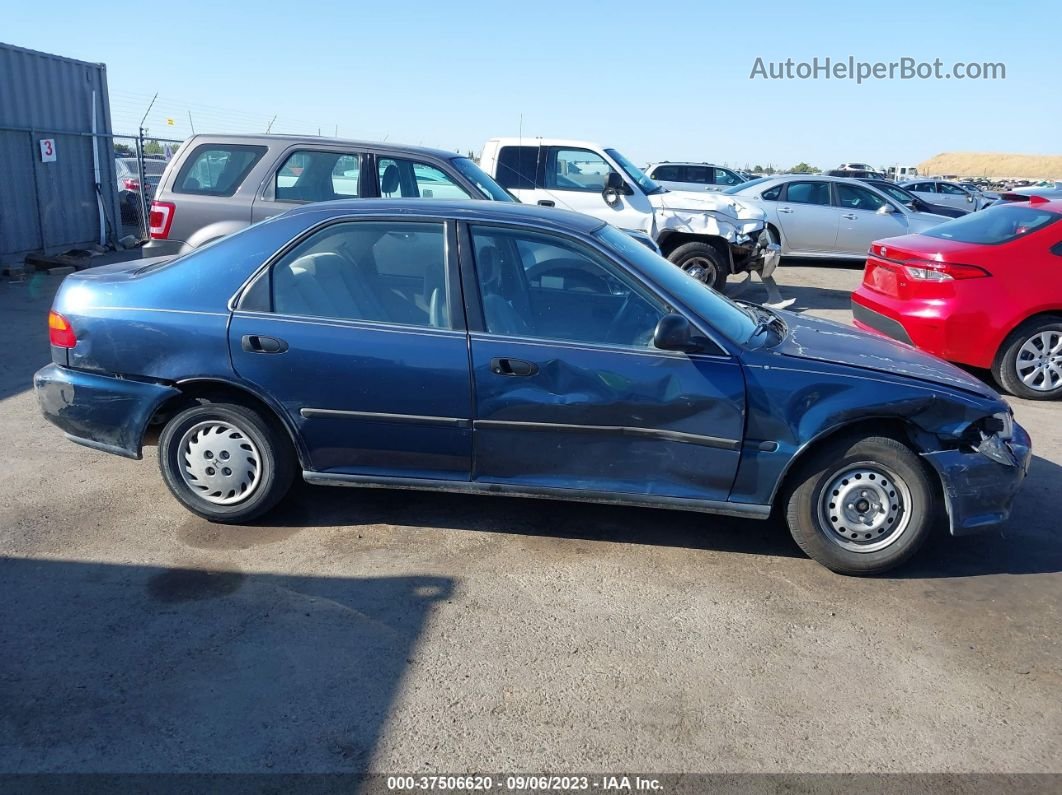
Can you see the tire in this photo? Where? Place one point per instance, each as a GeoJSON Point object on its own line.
{"type": "Point", "coordinates": [1022, 351]}
{"type": "Point", "coordinates": [828, 527]}
{"type": "Point", "coordinates": [703, 263]}
{"type": "Point", "coordinates": [203, 442]}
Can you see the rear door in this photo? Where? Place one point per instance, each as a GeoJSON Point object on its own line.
{"type": "Point", "coordinates": [808, 218]}
{"type": "Point", "coordinates": [570, 392]}
{"type": "Point", "coordinates": [860, 222]}
{"type": "Point", "coordinates": [305, 174]}
{"type": "Point", "coordinates": [357, 331]}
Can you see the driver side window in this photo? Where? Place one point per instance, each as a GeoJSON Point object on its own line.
{"type": "Point", "coordinates": [545, 287]}
{"type": "Point", "coordinates": [576, 169]}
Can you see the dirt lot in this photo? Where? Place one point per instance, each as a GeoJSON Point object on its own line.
{"type": "Point", "coordinates": [415, 632]}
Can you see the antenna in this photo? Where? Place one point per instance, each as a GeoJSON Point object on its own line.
{"type": "Point", "coordinates": [149, 107]}
{"type": "Point", "coordinates": [190, 122]}
{"type": "Point", "coordinates": [270, 125]}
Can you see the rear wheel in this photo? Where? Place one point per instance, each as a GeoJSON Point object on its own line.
{"type": "Point", "coordinates": [861, 506]}
{"type": "Point", "coordinates": [1029, 364]}
{"type": "Point", "coordinates": [225, 462]}
{"type": "Point", "coordinates": [702, 262]}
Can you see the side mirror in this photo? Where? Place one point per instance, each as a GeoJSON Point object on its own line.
{"type": "Point", "coordinates": [886, 209]}
{"type": "Point", "coordinates": [673, 334]}
{"type": "Point", "coordinates": [614, 188]}
{"type": "Point", "coordinates": [969, 197]}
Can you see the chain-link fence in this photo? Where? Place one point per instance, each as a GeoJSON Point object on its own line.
{"type": "Point", "coordinates": [138, 164]}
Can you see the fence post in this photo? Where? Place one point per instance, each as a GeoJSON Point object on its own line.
{"type": "Point", "coordinates": [142, 182]}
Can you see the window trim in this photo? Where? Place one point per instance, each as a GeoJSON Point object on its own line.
{"type": "Point", "coordinates": [455, 308]}
{"type": "Point", "coordinates": [193, 158]}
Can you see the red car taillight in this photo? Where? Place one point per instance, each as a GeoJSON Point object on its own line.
{"type": "Point", "coordinates": [60, 333]}
{"type": "Point", "coordinates": [930, 271]}
{"type": "Point", "coordinates": [160, 219]}
{"type": "Point", "coordinates": [130, 184]}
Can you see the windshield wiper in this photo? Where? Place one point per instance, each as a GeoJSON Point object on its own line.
{"type": "Point", "coordinates": [766, 320]}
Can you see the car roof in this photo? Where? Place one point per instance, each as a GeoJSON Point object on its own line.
{"type": "Point", "coordinates": [266, 140]}
{"type": "Point", "coordinates": [511, 141]}
{"type": "Point", "coordinates": [470, 210]}
{"type": "Point", "coordinates": [687, 163]}
{"type": "Point", "coordinates": [823, 177]}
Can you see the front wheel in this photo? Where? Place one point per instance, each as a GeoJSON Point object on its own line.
{"type": "Point", "coordinates": [225, 462]}
{"type": "Point", "coordinates": [1029, 364]}
{"type": "Point", "coordinates": [861, 506]}
{"type": "Point", "coordinates": [702, 262]}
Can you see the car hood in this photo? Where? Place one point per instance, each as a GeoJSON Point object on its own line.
{"type": "Point", "coordinates": [826, 341]}
{"type": "Point", "coordinates": [705, 201]}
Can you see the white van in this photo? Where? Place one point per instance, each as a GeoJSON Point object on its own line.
{"type": "Point", "coordinates": [709, 235]}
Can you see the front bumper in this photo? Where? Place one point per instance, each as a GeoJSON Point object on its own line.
{"type": "Point", "coordinates": [99, 411]}
{"type": "Point", "coordinates": [761, 254]}
{"type": "Point", "coordinates": [978, 490]}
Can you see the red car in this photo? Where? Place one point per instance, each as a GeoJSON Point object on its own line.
{"type": "Point", "coordinates": [983, 290]}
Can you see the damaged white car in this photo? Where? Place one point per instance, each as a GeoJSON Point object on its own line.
{"type": "Point", "coordinates": [709, 235]}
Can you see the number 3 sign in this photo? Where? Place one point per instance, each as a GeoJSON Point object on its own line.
{"type": "Point", "coordinates": [47, 150]}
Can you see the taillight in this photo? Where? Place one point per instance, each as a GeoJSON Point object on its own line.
{"type": "Point", "coordinates": [160, 219]}
{"type": "Point", "coordinates": [130, 184]}
{"type": "Point", "coordinates": [60, 333]}
{"type": "Point", "coordinates": [930, 271]}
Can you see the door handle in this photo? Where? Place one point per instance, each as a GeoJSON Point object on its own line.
{"type": "Point", "coordinates": [547, 203]}
{"type": "Point", "coordinates": [785, 209]}
{"type": "Point", "coordinates": [505, 366]}
{"type": "Point", "coordinates": [254, 343]}
{"type": "Point", "coordinates": [849, 216]}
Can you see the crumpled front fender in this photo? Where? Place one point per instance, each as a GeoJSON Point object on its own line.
{"type": "Point", "coordinates": [695, 224]}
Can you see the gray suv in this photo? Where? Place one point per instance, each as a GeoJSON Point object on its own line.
{"type": "Point", "coordinates": [219, 184]}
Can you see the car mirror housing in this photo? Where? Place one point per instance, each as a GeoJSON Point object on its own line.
{"type": "Point", "coordinates": [886, 209]}
{"type": "Point", "coordinates": [673, 334]}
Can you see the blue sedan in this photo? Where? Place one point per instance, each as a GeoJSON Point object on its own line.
{"type": "Point", "coordinates": [490, 348]}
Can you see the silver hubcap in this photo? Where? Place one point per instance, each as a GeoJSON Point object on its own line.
{"type": "Point", "coordinates": [1039, 363]}
{"type": "Point", "coordinates": [865, 507]}
{"type": "Point", "coordinates": [701, 269]}
{"type": "Point", "coordinates": [219, 462]}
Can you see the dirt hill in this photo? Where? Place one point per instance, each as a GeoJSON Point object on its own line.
{"type": "Point", "coordinates": [994, 164]}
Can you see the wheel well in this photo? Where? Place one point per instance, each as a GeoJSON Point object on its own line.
{"type": "Point", "coordinates": [892, 427]}
{"type": "Point", "coordinates": [218, 392]}
{"type": "Point", "coordinates": [1048, 315]}
{"type": "Point", "coordinates": [669, 241]}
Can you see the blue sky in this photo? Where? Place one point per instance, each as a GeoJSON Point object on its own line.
{"type": "Point", "coordinates": [656, 80]}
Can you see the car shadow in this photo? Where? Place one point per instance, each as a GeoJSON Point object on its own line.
{"type": "Point", "coordinates": [327, 506]}
{"type": "Point", "coordinates": [134, 668]}
{"type": "Point", "coordinates": [1030, 543]}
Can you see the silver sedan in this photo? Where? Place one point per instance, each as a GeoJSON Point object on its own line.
{"type": "Point", "coordinates": [835, 217]}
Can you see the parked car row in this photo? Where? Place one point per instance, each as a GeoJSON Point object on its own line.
{"type": "Point", "coordinates": [127, 172]}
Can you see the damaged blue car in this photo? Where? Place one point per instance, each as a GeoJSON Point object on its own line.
{"type": "Point", "coordinates": [491, 348]}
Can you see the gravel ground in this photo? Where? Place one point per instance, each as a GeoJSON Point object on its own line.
{"type": "Point", "coordinates": [395, 631]}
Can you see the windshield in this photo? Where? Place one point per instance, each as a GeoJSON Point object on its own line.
{"type": "Point", "coordinates": [995, 225]}
{"type": "Point", "coordinates": [647, 185]}
{"type": "Point", "coordinates": [743, 185]}
{"type": "Point", "coordinates": [724, 315]}
{"type": "Point", "coordinates": [481, 179]}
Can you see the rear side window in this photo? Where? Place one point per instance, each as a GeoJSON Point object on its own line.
{"type": "Point", "coordinates": [808, 193]}
{"type": "Point", "coordinates": [217, 169]}
{"type": "Point", "coordinates": [995, 225]}
{"type": "Point", "coordinates": [771, 194]}
{"type": "Point", "coordinates": [667, 173]}
{"type": "Point", "coordinates": [309, 176]}
{"type": "Point", "coordinates": [380, 271]}
{"type": "Point", "coordinates": [517, 166]}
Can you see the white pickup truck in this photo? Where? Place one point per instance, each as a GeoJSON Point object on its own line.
{"type": "Point", "coordinates": [709, 235]}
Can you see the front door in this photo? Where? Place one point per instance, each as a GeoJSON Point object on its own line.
{"type": "Point", "coordinates": [570, 392]}
{"type": "Point", "coordinates": [861, 223]}
{"type": "Point", "coordinates": [355, 332]}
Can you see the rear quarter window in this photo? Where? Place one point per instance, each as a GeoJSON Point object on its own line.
{"type": "Point", "coordinates": [216, 169]}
